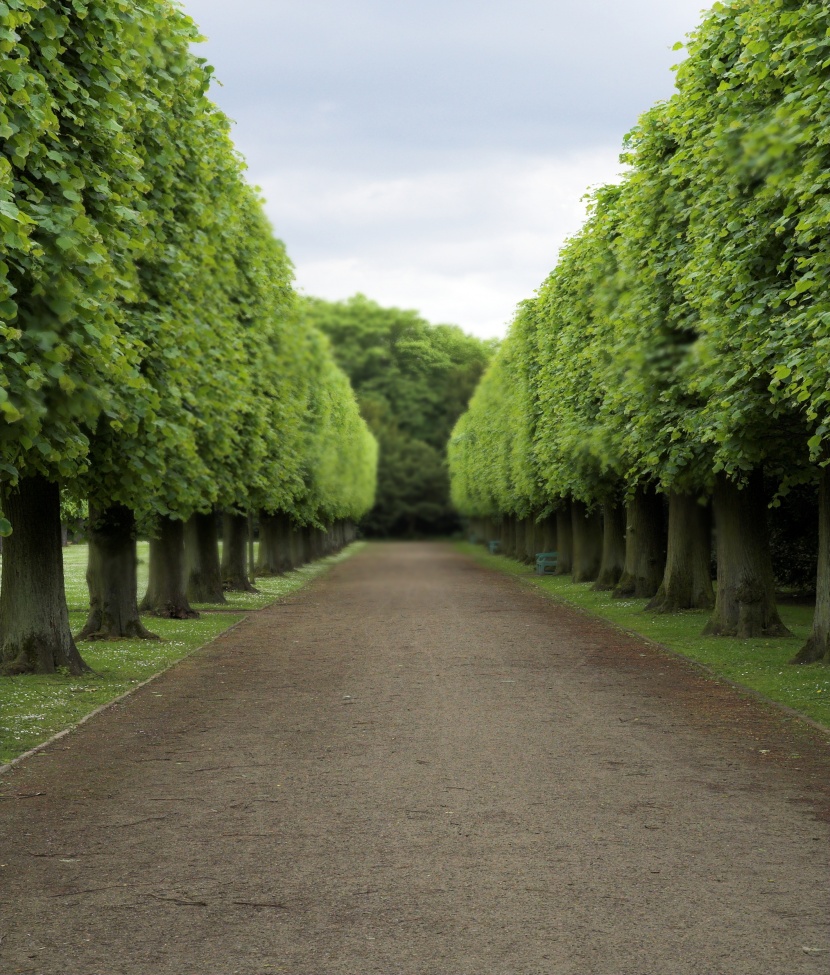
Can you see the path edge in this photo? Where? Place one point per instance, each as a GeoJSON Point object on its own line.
{"type": "Point", "coordinates": [134, 690]}
{"type": "Point", "coordinates": [705, 669]}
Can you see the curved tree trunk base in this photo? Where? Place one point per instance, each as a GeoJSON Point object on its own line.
{"type": "Point", "coordinates": [662, 603]}
{"type": "Point", "coordinates": [33, 651]}
{"type": "Point", "coordinates": [633, 587]}
{"type": "Point", "coordinates": [240, 585]}
{"type": "Point", "coordinates": [813, 652]}
{"type": "Point", "coordinates": [172, 612]}
{"type": "Point", "coordinates": [96, 629]}
{"type": "Point", "coordinates": [746, 630]}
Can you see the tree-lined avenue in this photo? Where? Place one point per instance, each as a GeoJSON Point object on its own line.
{"type": "Point", "coordinates": [416, 765]}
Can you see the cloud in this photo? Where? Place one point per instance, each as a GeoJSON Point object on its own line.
{"type": "Point", "coordinates": [434, 154]}
{"type": "Point", "coordinates": [463, 243]}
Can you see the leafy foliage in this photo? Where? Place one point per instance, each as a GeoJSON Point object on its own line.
{"type": "Point", "coordinates": [412, 380]}
{"type": "Point", "coordinates": [151, 353]}
{"type": "Point", "coordinates": [683, 331]}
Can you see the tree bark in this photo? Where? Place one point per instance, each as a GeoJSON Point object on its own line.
{"type": "Point", "coordinates": [645, 546]}
{"type": "Point", "coordinates": [529, 548]}
{"type": "Point", "coordinates": [166, 595]}
{"type": "Point", "coordinates": [547, 534]}
{"type": "Point", "coordinates": [297, 545]}
{"type": "Point", "coordinates": [274, 544]}
{"type": "Point", "coordinates": [817, 647]}
{"type": "Point", "coordinates": [613, 547]}
{"type": "Point", "coordinates": [111, 576]}
{"type": "Point", "coordinates": [587, 542]}
{"type": "Point", "coordinates": [235, 553]}
{"type": "Point", "coordinates": [745, 599]}
{"type": "Point", "coordinates": [201, 559]}
{"type": "Point", "coordinates": [307, 532]}
{"type": "Point", "coordinates": [687, 581]}
{"type": "Point", "coordinates": [508, 536]}
{"type": "Point", "coordinates": [565, 538]}
{"type": "Point", "coordinates": [34, 622]}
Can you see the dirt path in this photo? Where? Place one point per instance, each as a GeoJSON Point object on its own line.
{"type": "Point", "coordinates": [419, 766]}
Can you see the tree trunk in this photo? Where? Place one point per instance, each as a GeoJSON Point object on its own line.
{"type": "Point", "coordinates": [817, 646]}
{"type": "Point", "coordinates": [547, 534]}
{"type": "Point", "coordinates": [235, 553]}
{"type": "Point", "coordinates": [508, 535]}
{"type": "Point", "coordinates": [297, 544]}
{"type": "Point", "coordinates": [166, 596]}
{"type": "Point", "coordinates": [111, 576]}
{"type": "Point", "coordinates": [645, 546]}
{"type": "Point", "coordinates": [745, 600]}
{"type": "Point", "coordinates": [307, 533]}
{"type": "Point", "coordinates": [565, 539]}
{"type": "Point", "coordinates": [687, 581]}
{"type": "Point", "coordinates": [274, 544]}
{"type": "Point", "coordinates": [587, 542]}
{"type": "Point", "coordinates": [529, 549]}
{"type": "Point", "coordinates": [34, 622]}
{"type": "Point", "coordinates": [613, 547]}
{"type": "Point", "coordinates": [201, 559]}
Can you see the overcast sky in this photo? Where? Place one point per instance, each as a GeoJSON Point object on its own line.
{"type": "Point", "coordinates": [433, 154]}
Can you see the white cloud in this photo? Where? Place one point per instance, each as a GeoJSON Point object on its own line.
{"type": "Point", "coordinates": [461, 244]}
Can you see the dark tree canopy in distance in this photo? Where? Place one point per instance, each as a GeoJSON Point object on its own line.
{"type": "Point", "coordinates": [413, 380]}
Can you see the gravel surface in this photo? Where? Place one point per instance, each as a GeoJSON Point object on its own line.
{"type": "Point", "coordinates": [418, 765]}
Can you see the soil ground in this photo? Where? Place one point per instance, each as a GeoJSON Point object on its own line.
{"type": "Point", "coordinates": [418, 765]}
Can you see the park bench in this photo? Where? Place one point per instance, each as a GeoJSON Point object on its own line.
{"type": "Point", "coordinates": [494, 546]}
{"type": "Point", "coordinates": [546, 563]}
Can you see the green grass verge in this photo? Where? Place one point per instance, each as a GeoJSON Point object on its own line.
{"type": "Point", "coordinates": [34, 708]}
{"type": "Point", "coordinates": [761, 665]}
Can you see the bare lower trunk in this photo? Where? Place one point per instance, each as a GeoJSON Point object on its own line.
{"type": "Point", "coordinates": [529, 541]}
{"type": "Point", "coordinates": [297, 546]}
{"type": "Point", "coordinates": [745, 601]}
{"type": "Point", "coordinates": [817, 646]}
{"type": "Point", "coordinates": [308, 542]}
{"type": "Point", "coordinates": [111, 576]}
{"type": "Point", "coordinates": [508, 535]}
{"type": "Point", "coordinates": [34, 622]}
{"type": "Point", "coordinates": [166, 595]}
{"type": "Point", "coordinates": [587, 542]}
{"type": "Point", "coordinates": [613, 547]}
{"type": "Point", "coordinates": [201, 559]}
{"type": "Point", "coordinates": [235, 553]}
{"type": "Point", "coordinates": [565, 538]}
{"type": "Point", "coordinates": [274, 544]}
{"type": "Point", "coordinates": [547, 534]}
{"type": "Point", "coordinates": [645, 546]}
{"type": "Point", "coordinates": [687, 581]}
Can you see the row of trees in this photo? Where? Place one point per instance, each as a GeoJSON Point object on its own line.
{"type": "Point", "coordinates": [154, 359]}
{"type": "Point", "coordinates": [413, 380]}
{"type": "Point", "coordinates": [679, 351]}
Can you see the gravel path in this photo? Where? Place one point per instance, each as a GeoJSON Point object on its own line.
{"type": "Point", "coordinates": [420, 766]}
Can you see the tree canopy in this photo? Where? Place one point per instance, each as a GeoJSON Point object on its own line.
{"type": "Point", "coordinates": [412, 380]}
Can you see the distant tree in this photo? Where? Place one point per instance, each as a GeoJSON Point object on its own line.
{"type": "Point", "coordinates": [413, 380]}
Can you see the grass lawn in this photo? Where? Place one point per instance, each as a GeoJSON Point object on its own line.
{"type": "Point", "coordinates": [34, 708]}
{"type": "Point", "coordinates": [762, 665]}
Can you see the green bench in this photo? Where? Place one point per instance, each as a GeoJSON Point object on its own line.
{"type": "Point", "coordinates": [546, 563]}
{"type": "Point", "coordinates": [494, 546]}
